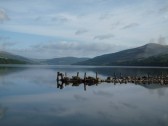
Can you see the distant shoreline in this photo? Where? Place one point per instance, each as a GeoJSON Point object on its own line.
{"type": "Point", "coordinates": [79, 66]}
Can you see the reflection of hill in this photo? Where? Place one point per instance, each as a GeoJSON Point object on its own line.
{"type": "Point", "coordinates": [154, 86]}
{"type": "Point", "coordinates": [2, 111]}
{"type": "Point", "coordinates": [9, 70]}
{"type": "Point", "coordinates": [109, 71]}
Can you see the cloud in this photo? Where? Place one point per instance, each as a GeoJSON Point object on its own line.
{"type": "Point", "coordinates": [38, 18]}
{"type": "Point", "coordinates": [164, 9]}
{"type": "Point", "coordinates": [105, 36]}
{"type": "Point", "coordinates": [6, 45]}
{"type": "Point", "coordinates": [63, 18]}
{"type": "Point", "coordinates": [106, 16]}
{"type": "Point", "coordinates": [81, 31]}
{"type": "Point", "coordinates": [130, 25]}
{"type": "Point", "coordinates": [162, 40]}
{"type": "Point", "coordinates": [85, 25]}
{"type": "Point", "coordinates": [4, 38]}
{"type": "Point", "coordinates": [70, 48]}
{"type": "Point", "coordinates": [60, 19]}
{"type": "Point", "coordinates": [3, 16]}
{"type": "Point", "coordinates": [55, 49]}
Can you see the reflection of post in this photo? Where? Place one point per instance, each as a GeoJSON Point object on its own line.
{"type": "Point", "coordinates": [148, 80]}
{"type": "Point", "coordinates": [2, 112]}
{"type": "Point", "coordinates": [84, 86]}
{"type": "Point", "coordinates": [60, 85]}
{"type": "Point", "coordinates": [58, 76]}
{"type": "Point", "coordinates": [62, 76]}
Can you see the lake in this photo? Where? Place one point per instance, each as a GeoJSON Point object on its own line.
{"type": "Point", "coordinates": [29, 96]}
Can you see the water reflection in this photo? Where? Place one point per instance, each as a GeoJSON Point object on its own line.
{"type": "Point", "coordinates": [147, 83]}
{"type": "Point", "coordinates": [3, 111]}
{"type": "Point", "coordinates": [32, 98]}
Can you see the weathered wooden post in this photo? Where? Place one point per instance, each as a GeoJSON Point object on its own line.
{"type": "Point", "coordinates": [77, 74]}
{"type": "Point", "coordinates": [120, 75]}
{"type": "Point", "coordinates": [114, 75]}
{"type": "Point", "coordinates": [85, 77]}
{"type": "Point", "coordinates": [96, 76]}
{"type": "Point", "coordinates": [62, 76]}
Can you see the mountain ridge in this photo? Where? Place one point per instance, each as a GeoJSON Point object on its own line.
{"type": "Point", "coordinates": [150, 54]}
{"type": "Point", "coordinates": [125, 56]}
{"type": "Point", "coordinates": [9, 58]}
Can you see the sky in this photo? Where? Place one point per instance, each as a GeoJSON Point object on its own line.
{"type": "Point", "coordinates": [45, 29]}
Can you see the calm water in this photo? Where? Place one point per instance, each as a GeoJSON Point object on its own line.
{"type": "Point", "coordinates": [29, 96]}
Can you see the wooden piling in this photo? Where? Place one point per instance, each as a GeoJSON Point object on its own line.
{"type": "Point", "coordinates": [85, 77]}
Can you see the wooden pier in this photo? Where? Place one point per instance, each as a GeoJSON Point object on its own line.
{"type": "Point", "coordinates": [88, 80]}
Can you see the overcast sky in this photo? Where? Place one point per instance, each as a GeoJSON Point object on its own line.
{"type": "Point", "coordinates": [81, 28]}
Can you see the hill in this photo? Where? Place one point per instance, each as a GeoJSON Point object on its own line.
{"type": "Point", "coordinates": [149, 54]}
{"type": "Point", "coordinates": [11, 61]}
{"type": "Point", "coordinates": [8, 58]}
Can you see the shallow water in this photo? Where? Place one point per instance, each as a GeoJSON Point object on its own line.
{"type": "Point", "coordinates": [29, 96]}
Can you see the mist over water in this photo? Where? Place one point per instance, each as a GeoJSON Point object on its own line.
{"type": "Point", "coordinates": [29, 96]}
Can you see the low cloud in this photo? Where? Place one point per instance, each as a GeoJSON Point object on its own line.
{"type": "Point", "coordinates": [81, 31]}
{"type": "Point", "coordinates": [3, 16]}
{"type": "Point", "coordinates": [6, 45]}
{"type": "Point", "coordinates": [130, 25]}
{"type": "Point", "coordinates": [77, 49]}
{"type": "Point", "coordinates": [162, 40]}
{"type": "Point", "coordinates": [105, 36]}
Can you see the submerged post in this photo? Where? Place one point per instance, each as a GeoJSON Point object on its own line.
{"type": "Point", "coordinates": [85, 77]}
{"type": "Point", "coordinates": [114, 75]}
{"type": "Point", "coordinates": [96, 76]}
